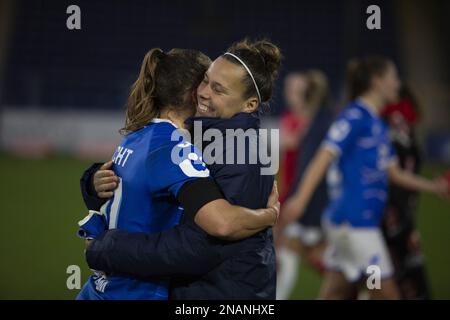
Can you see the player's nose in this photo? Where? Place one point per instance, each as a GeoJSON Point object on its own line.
{"type": "Point", "coordinates": [204, 92]}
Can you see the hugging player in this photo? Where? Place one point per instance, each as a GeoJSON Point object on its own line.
{"type": "Point", "coordinates": [204, 264]}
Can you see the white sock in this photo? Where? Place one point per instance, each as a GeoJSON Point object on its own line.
{"type": "Point", "coordinates": [287, 273]}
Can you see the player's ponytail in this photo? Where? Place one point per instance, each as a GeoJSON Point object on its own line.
{"type": "Point", "coordinates": [165, 80]}
{"type": "Point", "coordinates": [360, 72]}
{"type": "Point", "coordinates": [141, 106]}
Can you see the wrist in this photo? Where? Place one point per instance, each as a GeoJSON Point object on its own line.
{"type": "Point", "coordinates": [272, 216]}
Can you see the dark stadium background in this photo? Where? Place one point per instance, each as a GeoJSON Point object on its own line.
{"type": "Point", "coordinates": [53, 80]}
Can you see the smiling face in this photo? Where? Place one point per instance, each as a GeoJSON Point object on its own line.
{"type": "Point", "coordinates": [221, 93]}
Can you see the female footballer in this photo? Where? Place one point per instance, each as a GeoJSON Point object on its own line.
{"type": "Point", "coordinates": [358, 152]}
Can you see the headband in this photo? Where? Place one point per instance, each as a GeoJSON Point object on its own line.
{"type": "Point", "coordinates": [248, 71]}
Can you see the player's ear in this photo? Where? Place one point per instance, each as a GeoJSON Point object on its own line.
{"type": "Point", "coordinates": [251, 105]}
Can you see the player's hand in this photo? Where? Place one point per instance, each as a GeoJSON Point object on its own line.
{"type": "Point", "coordinates": [273, 202]}
{"type": "Point", "coordinates": [441, 188]}
{"type": "Point", "coordinates": [105, 181]}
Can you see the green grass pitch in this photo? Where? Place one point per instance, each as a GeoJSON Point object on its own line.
{"type": "Point", "coordinates": [41, 205]}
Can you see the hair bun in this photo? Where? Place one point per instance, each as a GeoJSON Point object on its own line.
{"type": "Point", "coordinates": [263, 58]}
{"type": "Point", "coordinates": [271, 55]}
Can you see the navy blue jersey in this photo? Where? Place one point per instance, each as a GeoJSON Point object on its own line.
{"type": "Point", "coordinates": [152, 168]}
{"type": "Point", "coordinates": [358, 178]}
{"type": "Point", "coordinates": [248, 270]}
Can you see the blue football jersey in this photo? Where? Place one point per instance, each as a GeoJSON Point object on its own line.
{"type": "Point", "coordinates": [152, 168]}
{"type": "Point", "coordinates": [358, 178]}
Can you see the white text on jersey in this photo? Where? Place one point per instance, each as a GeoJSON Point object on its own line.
{"type": "Point", "coordinates": [121, 155]}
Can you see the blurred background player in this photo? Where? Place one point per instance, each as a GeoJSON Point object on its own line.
{"type": "Point", "coordinates": [362, 159]}
{"type": "Point", "coordinates": [399, 223]}
{"type": "Point", "coordinates": [294, 122]}
{"type": "Point", "coordinates": [304, 237]}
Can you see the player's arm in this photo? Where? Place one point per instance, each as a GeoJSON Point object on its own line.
{"type": "Point", "coordinates": [202, 199]}
{"type": "Point", "coordinates": [341, 135]}
{"type": "Point", "coordinates": [415, 182]}
{"type": "Point", "coordinates": [295, 205]}
{"type": "Point", "coordinates": [183, 250]}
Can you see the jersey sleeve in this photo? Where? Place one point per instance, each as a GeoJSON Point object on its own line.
{"type": "Point", "coordinates": [172, 165]}
{"type": "Point", "coordinates": [92, 225]}
{"type": "Point", "coordinates": [344, 131]}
